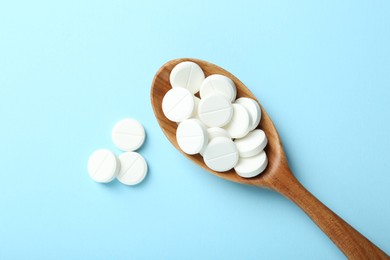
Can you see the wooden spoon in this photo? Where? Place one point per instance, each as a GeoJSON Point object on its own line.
{"type": "Point", "coordinates": [277, 176]}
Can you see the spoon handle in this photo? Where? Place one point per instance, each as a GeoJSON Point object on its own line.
{"type": "Point", "coordinates": [353, 244]}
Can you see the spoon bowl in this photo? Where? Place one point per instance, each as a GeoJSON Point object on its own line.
{"type": "Point", "coordinates": [277, 176]}
{"type": "Point", "coordinates": [273, 149]}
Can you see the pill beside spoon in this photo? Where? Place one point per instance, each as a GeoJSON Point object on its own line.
{"type": "Point", "coordinates": [130, 168]}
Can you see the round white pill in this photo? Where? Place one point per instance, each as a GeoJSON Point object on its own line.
{"type": "Point", "coordinates": [221, 154]}
{"type": "Point", "coordinates": [187, 75]}
{"type": "Point", "coordinates": [218, 84]}
{"type": "Point", "coordinates": [251, 144]}
{"type": "Point", "coordinates": [103, 166]}
{"type": "Point", "coordinates": [128, 134]}
{"type": "Point", "coordinates": [239, 125]}
{"type": "Point", "coordinates": [133, 168]}
{"type": "Point", "coordinates": [215, 110]}
{"type": "Point", "coordinates": [191, 136]}
{"type": "Point", "coordinates": [254, 110]}
{"type": "Point", "coordinates": [251, 166]}
{"type": "Point", "coordinates": [178, 104]}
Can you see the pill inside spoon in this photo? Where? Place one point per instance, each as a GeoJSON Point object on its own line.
{"type": "Point", "coordinates": [216, 109]}
{"type": "Point", "coordinates": [223, 103]}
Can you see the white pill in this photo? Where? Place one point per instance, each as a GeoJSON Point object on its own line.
{"type": "Point", "coordinates": [239, 125]}
{"type": "Point", "coordinates": [128, 134]}
{"type": "Point", "coordinates": [254, 110]}
{"type": "Point", "coordinates": [215, 110]}
{"type": "Point", "coordinates": [252, 166]}
{"type": "Point", "coordinates": [187, 75]}
{"type": "Point", "coordinates": [251, 144]}
{"type": "Point", "coordinates": [103, 166]}
{"type": "Point", "coordinates": [191, 135]}
{"type": "Point", "coordinates": [178, 104]}
{"type": "Point", "coordinates": [218, 84]}
{"type": "Point", "coordinates": [221, 154]}
{"type": "Point", "coordinates": [133, 168]}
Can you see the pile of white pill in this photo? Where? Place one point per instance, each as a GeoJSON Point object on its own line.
{"type": "Point", "coordinates": [217, 125]}
{"type": "Point", "coordinates": [130, 167]}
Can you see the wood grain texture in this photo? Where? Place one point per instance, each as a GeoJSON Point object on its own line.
{"type": "Point", "coordinates": [277, 176]}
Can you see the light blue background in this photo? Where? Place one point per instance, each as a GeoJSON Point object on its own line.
{"type": "Point", "coordinates": [70, 69]}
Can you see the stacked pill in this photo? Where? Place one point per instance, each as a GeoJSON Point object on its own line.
{"type": "Point", "coordinates": [130, 167]}
{"type": "Point", "coordinates": [218, 126]}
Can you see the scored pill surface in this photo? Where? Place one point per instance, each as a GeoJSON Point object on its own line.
{"type": "Point", "coordinates": [215, 110]}
{"type": "Point", "coordinates": [191, 136]}
{"type": "Point", "coordinates": [187, 75]}
{"type": "Point", "coordinates": [221, 154]}
{"type": "Point", "coordinates": [103, 166]}
{"type": "Point", "coordinates": [128, 134]}
{"type": "Point", "coordinates": [218, 84]}
{"type": "Point", "coordinates": [178, 104]}
{"type": "Point", "coordinates": [133, 168]}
